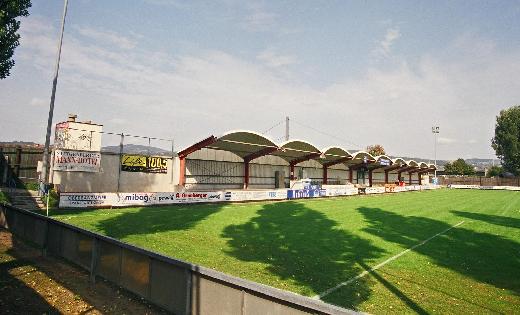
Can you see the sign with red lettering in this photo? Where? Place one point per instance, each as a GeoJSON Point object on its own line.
{"type": "Point", "coordinates": [77, 161]}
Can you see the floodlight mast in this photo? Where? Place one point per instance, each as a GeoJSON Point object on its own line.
{"type": "Point", "coordinates": [435, 131]}
{"type": "Point", "coordinates": [45, 162]}
{"type": "Point", "coordinates": [287, 128]}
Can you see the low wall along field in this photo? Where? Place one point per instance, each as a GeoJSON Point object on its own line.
{"type": "Point", "coordinates": [177, 286]}
{"type": "Point", "coordinates": [93, 200]}
{"type": "Point", "coordinates": [415, 252]}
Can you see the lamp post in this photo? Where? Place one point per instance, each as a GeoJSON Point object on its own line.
{"type": "Point", "coordinates": [45, 162]}
{"type": "Point", "coordinates": [435, 131]}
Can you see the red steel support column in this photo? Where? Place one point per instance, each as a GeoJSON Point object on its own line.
{"type": "Point", "coordinates": [399, 176]}
{"type": "Point", "coordinates": [386, 177]}
{"type": "Point", "coordinates": [419, 175]}
{"type": "Point", "coordinates": [409, 178]}
{"type": "Point", "coordinates": [350, 175]}
{"type": "Point", "coordinates": [246, 174]}
{"type": "Point", "coordinates": [292, 171]}
{"type": "Point", "coordinates": [370, 178]}
{"type": "Point", "coordinates": [324, 174]}
{"type": "Point", "coordinates": [182, 171]}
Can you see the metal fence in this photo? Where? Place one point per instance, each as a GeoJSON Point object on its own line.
{"type": "Point", "coordinates": [479, 180]}
{"type": "Point", "coordinates": [177, 286]}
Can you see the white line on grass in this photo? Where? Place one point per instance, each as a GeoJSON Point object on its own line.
{"type": "Point", "coordinates": [509, 206]}
{"type": "Point", "coordinates": [366, 272]}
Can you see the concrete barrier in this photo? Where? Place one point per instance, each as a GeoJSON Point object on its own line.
{"type": "Point", "coordinates": [177, 286]}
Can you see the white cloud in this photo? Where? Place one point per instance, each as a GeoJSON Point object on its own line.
{"type": "Point", "coordinates": [274, 60]}
{"type": "Point", "coordinates": [191, 96]}
{"type": "Point", "coordinates": [385, 46]}
{"type": "Point", "coordinates": [443, 140]}
{"type": "Point", "coordinates": [259, 19]}
{"type": "Point", "coordinates": [106, 37]}
{"type": "Point", "coordinates": [36, 101]}
{"type": "Point", "coordinates": [117, 121]}
{"type": "Point", "coordinates": [175, 3]}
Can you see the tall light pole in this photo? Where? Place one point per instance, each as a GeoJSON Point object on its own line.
{"type": "Point", "coordinates": [435, 131]}
{"type": "Point", "coordinates": [287, 128]}
{"type": "Point", "coordinates": [45, 161]}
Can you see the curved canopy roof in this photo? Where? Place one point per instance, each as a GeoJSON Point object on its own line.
{"type": "Point", "coordinates": [412, 163]}
{"type": "Point", "coordinates": [297, 150]}
{"type": "Point", "coordinates": [361, 155]}
{"type": "Point", "coordinates": [335, 155]}
{"type": "Point", "coordinates": [399, 161]}
{"type": "Point", "coordinates": [250, 145]}
{"type": "Point", "coordinates": [242, 143]}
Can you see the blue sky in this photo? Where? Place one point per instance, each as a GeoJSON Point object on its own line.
{"type": "Point", "coordinates": [363, 71]}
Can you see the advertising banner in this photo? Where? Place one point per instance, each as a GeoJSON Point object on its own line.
{"type": "Point", "coordinates": [464, 186]}
{"type": "Point", "coordinates": [76, 161]}
{"type": "Point", "coordinates": [374, 190]}
{"type": "Point", "coordinates": [340, 190]}
{"type": "Point", "coordinates": [245, 195]}
{"type": "Point", "coordinates": [305, 193]}
{"type": "Point", "coordinates": [86, 200]}
{"type": "Point", "coordinates": [145, 164]}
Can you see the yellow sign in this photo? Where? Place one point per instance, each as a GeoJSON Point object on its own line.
{"type": "Point", "coordinates": [141, 163]}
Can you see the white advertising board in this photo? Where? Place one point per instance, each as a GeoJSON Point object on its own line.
{"type": "Point", "coordinates": [339, 190]}
{"type": "Point", "coordinates": [76, 161]}
{"type": "Point", "coordinates": [85, 200]}
{"type": "Point", "coordinates": [464, 186]}
{"type": "Point", "coordinates": [246, 195]}
{"type": "Point", "coordinates": [374, 190]}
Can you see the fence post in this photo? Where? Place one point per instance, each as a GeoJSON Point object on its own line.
{"type": "Point", "coordinates": [189, 291]}
{"type": "Point", "coordinates": [45, 238]}
{"type": "Point", "coordinates": [93, 261]}
{"type": "Point", "coordinates": [18, 161]}
{"type": "Point", "coordinates": [121, 143]}
{"type": "Point", "coordinates": [3, 167]}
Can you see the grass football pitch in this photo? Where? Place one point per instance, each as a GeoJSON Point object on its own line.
{"type": "Point", "coordinates": [464, 257]}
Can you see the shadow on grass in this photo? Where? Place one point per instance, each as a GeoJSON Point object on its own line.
{"type": "Point", "coordinates": [492, 219]}
{"type": "Point", "coordinates": [303, 246]}
{"type": "Point", "coordinates": [390, 287]}
{"type": "Point", "coordinates": [149, 220]}
{"type": "Point", "coordinates": [484, 257]}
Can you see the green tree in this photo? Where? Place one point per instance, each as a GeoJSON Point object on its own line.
{"type": "Point", "coordinates": [494, 170]}
{"type": "Point", "coordinates": [506, 141]}
{"type": "Point", "coordinates": [459, 167]}
{"type": "Point", "coordinates": [9, 37]}
{"type": "Point", "coordinates": [376, 150]}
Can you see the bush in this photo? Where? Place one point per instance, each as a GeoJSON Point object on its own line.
{"type": "Point", "coordinates": [31, 186]}
{"type": "Point", "coordinates": [495, 171]}
{"type": "Point", "coordinates": [3, 197]}
{"type": "Point", "coordinates": [53, 199]}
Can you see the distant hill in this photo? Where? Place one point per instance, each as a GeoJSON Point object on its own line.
{"type": "Point", "coordinates": [137, 149]}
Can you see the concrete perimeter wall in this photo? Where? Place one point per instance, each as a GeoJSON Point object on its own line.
{"type": "Point", "coordinates": [177, 286]}
{"type": "Point", "coordinates": [109, 176]}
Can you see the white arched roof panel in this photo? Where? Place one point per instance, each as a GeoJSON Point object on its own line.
{"type": "Point", "coordinates": [297, 149]}
{"type": "Point", "coordinates": [332, 155]}
{"type": "Point", "coordinates": [242, 142]}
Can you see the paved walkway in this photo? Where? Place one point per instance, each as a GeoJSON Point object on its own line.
{"type": "Point", "coordinates": [24, 199]}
